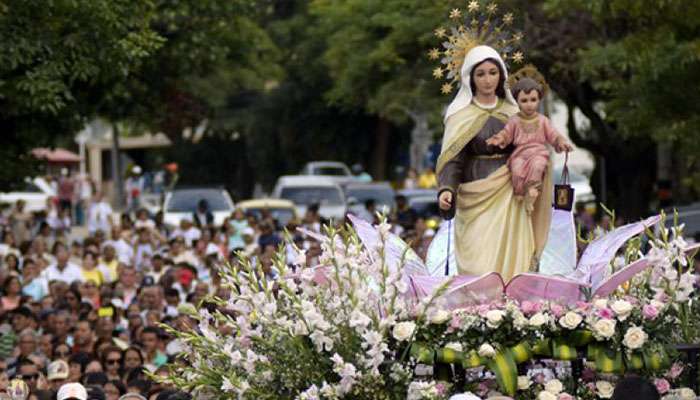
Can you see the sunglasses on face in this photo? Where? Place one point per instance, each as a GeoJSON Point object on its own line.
{"type": "Point", "coordinates": [29, 376]}
{"type": "Point", "coordinates": [114, 361]}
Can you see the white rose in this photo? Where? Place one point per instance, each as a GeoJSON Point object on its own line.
{"type": "Point", "coordinates": [486, 350]}
{"type": "Point", "coordinates": [635, 338]}
{"type": "Point", "coordinates": [604, 389]}
{"type": "Point", "coordinates": [524, 382]}
{"type": "Point", "coordinates": [604, 328]}
{"type": "Point", "coordinates": [622, 308]}
{"type": "Point", "coordinates": [570, 320]}
{"type": "Point", "coordinates": [494, 318]}
{"type": "Point", "coordinates": [454, 346]}
{"type": "Point", "coordinates": [545, 395]}
{"type": "Point", "coordinates": [439, 316]}
{"type": "Point", "coordinates": [520, 321]}
{"type": "Point", "coordinates": [403, 330]}
{"type": "Point", "coordinates": [538, 320]}
{"type": "Point", "coordinates": [554, 386]}
{"type": "Point", "coordinates": [600, 303]}
{"type": "Point", "coordinates": [686, 394]}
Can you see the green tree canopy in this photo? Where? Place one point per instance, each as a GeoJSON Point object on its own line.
{"type": "Point", "coordinates": [51, 54]}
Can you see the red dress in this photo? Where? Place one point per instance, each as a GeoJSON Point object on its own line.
{"type": "Point", "coordinates": [529, 160]}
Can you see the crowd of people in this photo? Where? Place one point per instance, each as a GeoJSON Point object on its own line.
{"type": "Point", "coordinates": [86, 313]}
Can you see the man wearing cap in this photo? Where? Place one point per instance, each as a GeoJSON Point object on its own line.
{"type": "Point", "coordinates": [72, 391]}
{"type": "Point", "coordinates": [57, 374]}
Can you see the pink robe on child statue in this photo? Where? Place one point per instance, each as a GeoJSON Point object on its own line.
{"type": "Point", "coordinates": [530, 158]}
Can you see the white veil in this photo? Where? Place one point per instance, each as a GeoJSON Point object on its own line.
{"type": "Point", "coordinates": [474, 57]}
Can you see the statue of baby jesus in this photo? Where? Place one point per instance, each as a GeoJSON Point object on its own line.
{"type": "Point", "coordinates": [529, 131]}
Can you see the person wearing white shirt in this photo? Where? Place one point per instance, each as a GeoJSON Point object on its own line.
{"type": "Point", "coordinates": [99, 215]}
{"type": "Point", "coordinates": [188, 231]}
{"type": "Point", "coordinates": [62, 270]}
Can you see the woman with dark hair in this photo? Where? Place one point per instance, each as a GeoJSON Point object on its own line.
{"type": "Point", "coordinates": [72, 298]}
{"type": "Point", "coordinates": [12, 294]}
{"type": "Point", "coordinates": [133, 358]}
{"type": "Point", "coordinates": [12, 263]}
{"type": "Point", "coordinates": [493, 232]}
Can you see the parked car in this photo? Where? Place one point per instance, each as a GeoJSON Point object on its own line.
{"type": "Point", "coordinates": [305, 190]}
{"type": "Point", "coordinates": [381, 192]}
{"type": "Point", "coordinates": [335, 170]}
{"type": "Point", "coordinates": [281, 210]}
{"type": "Point", "coordinates": [35, 194]}
{"type": "Point", "coordinates": [182, 202]}
{"type": "Point", "coordinates": [423, 201]}
{"type": "Point", "coordinates": [583, 193]}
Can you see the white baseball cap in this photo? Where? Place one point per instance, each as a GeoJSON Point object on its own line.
{"type": "Point", "coordinates": [72, 391]}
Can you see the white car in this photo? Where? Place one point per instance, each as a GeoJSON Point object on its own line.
{"type": "Point", "coordinates": [305, 190]}
{"type": "Point", "coordinates": [35, 194]}
{"type": "Point", "coordinates": [182, 203]}
{"type": "Point", "coordinates": [335, 170]}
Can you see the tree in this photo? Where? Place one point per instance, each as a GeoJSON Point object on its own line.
{"type": "Point", "coordinates": [51, 55]}
{"type": "Point", "coordinates": [619, 63]}
{"type": "Point", "coordinates": [377, 59]}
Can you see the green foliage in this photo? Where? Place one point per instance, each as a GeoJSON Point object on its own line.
{"type": "Point", "coordinates": [647, 66]}
{"type": "Point", "coordinates": [54, 58]}
{"type": "Point", "coordinates": [377, 54]}
{"type": "Point", "coordinates": [50, 48]}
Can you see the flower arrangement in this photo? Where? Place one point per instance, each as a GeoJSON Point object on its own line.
{"type": "Point", "coordinates": [350, 328]}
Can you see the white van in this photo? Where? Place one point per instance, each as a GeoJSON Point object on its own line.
{"type": "Point", "coordinates": [305, 190]}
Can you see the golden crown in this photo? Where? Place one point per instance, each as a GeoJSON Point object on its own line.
{"type": "Point", "coordinates": [528, 71]}
{"type": "Point", "coordinates": [478, 24]}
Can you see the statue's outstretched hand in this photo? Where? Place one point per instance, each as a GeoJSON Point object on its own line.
{"type": "Point", "coordinates": [496, 140]}
{"type": "Point", "coordinates": [445, 200]}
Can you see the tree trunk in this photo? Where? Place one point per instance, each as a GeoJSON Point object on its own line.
{"type": "Point", "coordinates": [117, 169]}
{"type": "Point", "coordinates": [381, 144]}
{"type": "Point", "coordinates": [421, 139]}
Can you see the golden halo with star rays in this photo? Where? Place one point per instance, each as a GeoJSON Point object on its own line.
{"type": "Point", "coordinates": [477, 24]}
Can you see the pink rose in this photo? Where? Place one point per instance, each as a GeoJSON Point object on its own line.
{"type": "Point", "coordinates": [441, 388]}
{"type": "Point", "coordinates": [675, 371]}
{"type": "Point", "coordinates": [661, 296]}
{"type": "Point", "coordinates": [583, 306]}
{"type": "Point", "coordinates": [662, 385]}
{"type": "Point", "coordinates": [483, 309]}
{"type": "Point", "coordinates": [456, 322]}
{"type": "Point", "coordinates": [556, 310]}
{"type": "Point", "coordinates": [539, 378]}
{"type": "Point", "coordinates": [530, 307]}
{"type": "Point", "coordinates": [649, 311]}
{"type": "Point", "coordinates": [606, 313]}
{"type": "Point", "coordinates": [565, 396]}
{"type": "Point", "coordinates": [591, 386]}
{"type": "Point", "coordinates": [483, 389]}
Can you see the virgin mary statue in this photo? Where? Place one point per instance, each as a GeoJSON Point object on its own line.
{"type": "Point", "coordinates": [493, 231]}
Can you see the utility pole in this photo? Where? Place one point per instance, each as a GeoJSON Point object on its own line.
{"type": "Point", "coordinates": [116, 169]}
